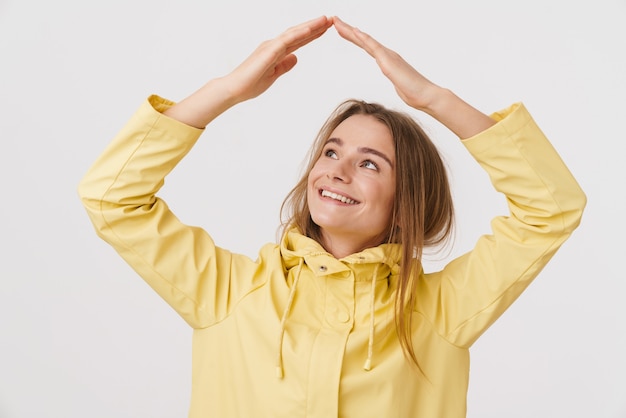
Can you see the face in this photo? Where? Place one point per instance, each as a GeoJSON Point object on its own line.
{"type": "Point", "coordinates": [352, 185]}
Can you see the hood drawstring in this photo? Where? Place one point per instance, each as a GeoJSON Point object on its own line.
{"type": "Point", "coordinates": [292, 293]}
{"type": "Point", "coordinates": [370, 345]}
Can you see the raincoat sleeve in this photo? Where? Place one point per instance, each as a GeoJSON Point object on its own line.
{"type": "Point", "coordinates": [546, 205]}
{"type": "Point", "coordinates": [180, 262]}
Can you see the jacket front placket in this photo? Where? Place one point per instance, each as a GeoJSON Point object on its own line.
{"type": "Point", "coordinates": [337, 284]}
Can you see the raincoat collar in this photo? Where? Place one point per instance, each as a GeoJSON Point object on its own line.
{"type": "Point", "coordinates": [295, 247]}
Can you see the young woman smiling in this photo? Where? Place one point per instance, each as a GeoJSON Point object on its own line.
{"type": "Point", "coordinates": [338, 319]}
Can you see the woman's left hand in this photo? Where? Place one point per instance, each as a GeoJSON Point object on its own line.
{"type": "Point", "coordinates": [415, 89]}
{"type": "Point", "coordinates": [412, 87]}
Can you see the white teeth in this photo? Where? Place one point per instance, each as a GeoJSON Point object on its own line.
{"type": "Point", "coordinates": [339, 197]}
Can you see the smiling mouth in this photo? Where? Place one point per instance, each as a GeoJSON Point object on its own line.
{"type": "Point", "coordinates": [338, 197]}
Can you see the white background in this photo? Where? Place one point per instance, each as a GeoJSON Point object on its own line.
{"type": "Point", "coordinates": [82, 336]}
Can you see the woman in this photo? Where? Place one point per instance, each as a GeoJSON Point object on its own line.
{"type": "Point", "coordinates": [340, 309]}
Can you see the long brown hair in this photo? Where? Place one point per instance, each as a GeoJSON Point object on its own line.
{"type": "Point", "coordinates": [423, 211]}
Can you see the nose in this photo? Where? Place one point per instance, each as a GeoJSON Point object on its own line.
{"type": "Point", "coordinates": [339, 171]}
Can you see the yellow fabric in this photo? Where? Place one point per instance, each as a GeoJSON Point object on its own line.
{"type": "Point", "coordinates": [235, 304]}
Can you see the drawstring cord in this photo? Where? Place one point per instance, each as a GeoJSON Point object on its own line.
{"type": "Point", "coordinates": [292, 292]}
{"type": "Point", "coordinates": [370, 345]}
{"type": "Point", "coordinates": [367, 366]}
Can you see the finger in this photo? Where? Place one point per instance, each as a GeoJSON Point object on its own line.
{"type": "Point", "coordinates": [313, 24]}
{"type": "Point", "coordinates": [345, 31]}
{"type": "Point", "coordinates": [273, 51]}
{"type": "Point", "coordinates": [296, 37]}
{"type": "Point", "coordinates": [293, 47]}
{"type": "Point", "coordinates": [369, 44]}
{"type": "Point", "coordinates": [359, 38]}
{"type": "Point", "coordinates": [304, 33]}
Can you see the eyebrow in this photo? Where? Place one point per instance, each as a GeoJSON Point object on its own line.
{"type": "Point", "coordinates": [365, 150]}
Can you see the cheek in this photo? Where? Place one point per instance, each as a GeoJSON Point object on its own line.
{"type": "Point", "coordinates": [314, 174]}
{"type": "Point", "coordinates": [387, 195]}
{"type": "Point", "coordinates": [310, 182]}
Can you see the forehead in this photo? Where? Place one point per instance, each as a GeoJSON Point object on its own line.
{"type": "Point", "coordinates": [365, 131]}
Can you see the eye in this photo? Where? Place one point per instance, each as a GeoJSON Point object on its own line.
{"type": "Point", "coordinates": [370, 165]}
{"type": "Point", "coordinates": [330, 153]}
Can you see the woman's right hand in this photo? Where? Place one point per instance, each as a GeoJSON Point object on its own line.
{"type": "Point", "coordinates": [273, 58]}
{"type": "Point", "coordinates": [256, 74]}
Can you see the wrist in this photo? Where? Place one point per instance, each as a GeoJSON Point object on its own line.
{"type": "Point", "coordinates": [227, 89]}
{"type": "Point", "coordinates": [204, 105]}
{"type": "Point", "coordinates": [457, 115]}
{"type": "Point", "coordinates": [438, 100]}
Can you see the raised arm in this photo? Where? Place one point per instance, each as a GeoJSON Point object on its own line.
{"type": "Point", "coordinates": [415, 89]}
{"type": "Point", "coordinates": [120, 190]}
{"type": "Point", "coordinates": [257, 73]}
{"type": "Point", "coordinates": [545, 202]}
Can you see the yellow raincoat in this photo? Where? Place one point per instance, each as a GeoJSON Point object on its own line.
{"type": "Point", "coordinates": [291, 334]}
